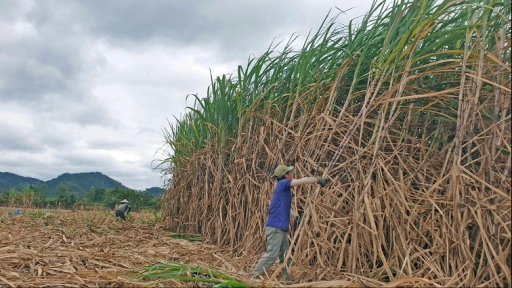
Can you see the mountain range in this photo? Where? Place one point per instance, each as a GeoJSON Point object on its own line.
{"type": "Point", "coordinates": [76, 182]}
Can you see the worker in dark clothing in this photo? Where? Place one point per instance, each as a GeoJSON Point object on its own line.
{"type": "Point", "coordinates": [122, 208]}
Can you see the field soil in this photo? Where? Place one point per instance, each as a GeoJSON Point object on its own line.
{"type": "Point", "coordinates": [64, 248]}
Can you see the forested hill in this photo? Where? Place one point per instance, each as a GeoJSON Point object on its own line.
{"type": "Point", "coordinates": [8, 180]}
{"type": "Point", "coordinates": [82, 182]}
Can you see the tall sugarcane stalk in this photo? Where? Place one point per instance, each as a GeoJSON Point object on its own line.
{"type": "Point", "coordinates": [405, 113]}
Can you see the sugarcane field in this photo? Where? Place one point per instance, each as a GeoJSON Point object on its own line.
{"type": "Point", "coordinates": [392, 135]}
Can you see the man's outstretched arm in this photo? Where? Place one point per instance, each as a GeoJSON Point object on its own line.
{"type": "Point", "coordinates": [308, 180]}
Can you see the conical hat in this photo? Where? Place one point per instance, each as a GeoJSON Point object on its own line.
{"type": "Point", "coordinates": [125, 201]}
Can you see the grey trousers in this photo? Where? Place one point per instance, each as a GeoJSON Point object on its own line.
{"type": "Point", "coordinates": [277, 244]}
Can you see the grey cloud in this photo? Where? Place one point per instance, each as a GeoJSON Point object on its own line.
{"type": "Point", "coordinates": [59, 17]}
{"type": "Point", "coordinates": [11, 9]}
{"type": "Point", "coordinates": [81, 160]}
{"type": "Point", "coordinates": [234, 26]}
{"type": "Point", "coordinates": [57, 139]}
{"type": "Point", "coordinates": [106, 142]}
{"type": "Point", "coordinates": [147, 130]}
{"type": "Point", "coordinates": [54, 131]}
{"type": "Point", "coordinates": [31, 133]}
{"type": "Point", "coordinates": [53, 110]}
{"type": "Point", "coordinates": [182, 22]}
{"type": "Point", "coordinates": [87, 114]}
{"type": "Point", "coordinates": [26, 80]}
{"type": "Point", "coordinates": [28, 164]}
{"type": "Point", "coordinates": [134, 175]}
{"type": "Point", "coordinates": [142, 20]}
{"type": "Point", "coordinates": [17, 140]}
{"type": "Point", "coordinates": [49, 57]}
{"type": "Point", "coordinates": [63, 61]}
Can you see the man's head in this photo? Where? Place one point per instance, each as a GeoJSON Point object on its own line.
{"type": "Point", "coordinates": [125, 201]}
{"type": "Point", "coordinates": [282, 170]}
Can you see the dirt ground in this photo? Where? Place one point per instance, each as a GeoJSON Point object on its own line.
{"type": "Point", "coordinates": [63, 248]}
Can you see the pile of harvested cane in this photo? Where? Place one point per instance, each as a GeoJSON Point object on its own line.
{"type": "Point", "coordinates": [52, 248]}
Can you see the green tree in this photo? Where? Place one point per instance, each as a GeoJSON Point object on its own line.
{"type": "Point", "coordinates": [41, 191]}
{"type": "Point", "coordinates": [3, 198]}
{"type": "Point", "coordinates": [113, 196]}
{"type": "Point", "coordinates": [71, 199]}
{"type": "Point", "coordinates": [145, 199]}
{"type": "Point", "coordinates": [137, 200]}
{"type": "Point", "coordinates": [99, 193]}
{"type": "Point", "coordinates": [64, 197]}
{"type": "Point", "coordinates": [61, 191]}
{"type": "Point", "coordinates": [62, 194]}
{"type": "Point", "coordinates": [91, 195]}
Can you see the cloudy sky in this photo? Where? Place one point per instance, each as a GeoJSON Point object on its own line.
{"type": "Point", "coordinates": [88, 86]}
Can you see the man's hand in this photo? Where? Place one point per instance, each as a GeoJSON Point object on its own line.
{"type": "Point", "coordinates": [322, 181]}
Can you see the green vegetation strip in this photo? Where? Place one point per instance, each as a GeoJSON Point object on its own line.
{"type": "Point", "coordinates": [187, 272]}
{"type": "Point", "coordinates": [188, 237]}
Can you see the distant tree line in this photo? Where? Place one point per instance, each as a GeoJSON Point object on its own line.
{"type": "Point", "coordinates": [37, 196]}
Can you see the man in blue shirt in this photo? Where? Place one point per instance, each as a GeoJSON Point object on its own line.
{"type": "Point", "coordinates": [279, 219]}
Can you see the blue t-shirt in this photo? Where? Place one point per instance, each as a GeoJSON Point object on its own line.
{"type": "Point", "coordinates": [279, 213]}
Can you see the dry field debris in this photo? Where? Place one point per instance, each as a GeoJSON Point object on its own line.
{"type": "Point", "coordinates": [63, 248]}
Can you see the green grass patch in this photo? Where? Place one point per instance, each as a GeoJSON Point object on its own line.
{"type": "Point", "coordinates": [188, 273]}
{"type": "Point", "coordinates": [188, 237]}
{"type": "Point", "coordinates": [382, 274]}
{"type": "Point", "coordinates": [38, 214]}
